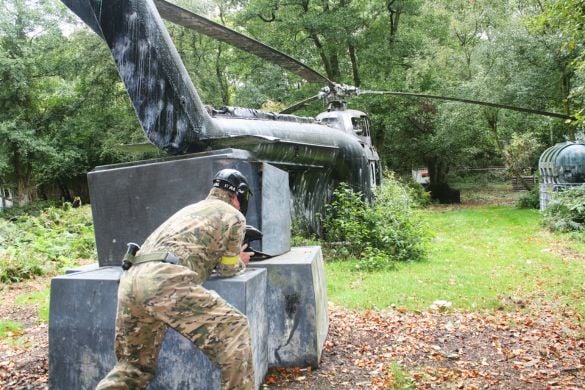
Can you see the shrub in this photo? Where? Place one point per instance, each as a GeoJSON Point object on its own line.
{"type": "Point", "coordinates": [34, 208]}
{"type": "Point", "coordinates": [388, 230]}
{"type": "Point", "coordinates": [373, 259]}
{"type": "Point", "coordinates": [531, 200]}
{"type": "Point", "coordinates": [566, 211]}
{"type": "Point", "coordinates": [43, 242]}
{"type": "Point", "coordinates": [346, 219]}
{"type": "Point", "coordinates": [521, 153]}
{"type": "Point", "coordinates": [418, 194]}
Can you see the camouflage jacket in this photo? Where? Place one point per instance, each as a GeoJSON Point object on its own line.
{"type": "Point", "coordinates": [203, 235]}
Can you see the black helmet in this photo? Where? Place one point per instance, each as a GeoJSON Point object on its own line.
{"type": "Point", "coordinates": [233, 181]}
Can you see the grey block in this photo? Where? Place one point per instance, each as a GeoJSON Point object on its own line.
{"type": "Point", "coordinates": [130, 200]}
{"type": "Point", "coordinates": [81, 332]}
{"type": "Point", "coordinates": [296, 307]}
{"type": "Point", "coordinates": [83, 268]}
{"type": "Point", "coordinates": [276, 211]}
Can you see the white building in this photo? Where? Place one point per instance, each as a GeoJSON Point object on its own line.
{"type": "Point", "coordinates": [6, 199]}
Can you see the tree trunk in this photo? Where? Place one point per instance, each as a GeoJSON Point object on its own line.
{"type": "Point", "coordinates": [221, 80]}
{"type": "Point", "coordinates": [354, 65]}
{"type": "Point", "coordinates": [565, 86]}
{"type": "Point", "coordinates": [2, 194]}
{"type": "Point", "coordinates": [334, 63]}
{"type": "Point", "coordinates": [492, 120]}
{"type": "Point", "coordinates": [438, 186]}
{"type": "Point", "coordinates": [394, 16]}
{"type": "Point", "coordinates": [24, 192]}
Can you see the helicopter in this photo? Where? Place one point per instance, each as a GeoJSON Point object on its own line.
{"type": "Point", "coordinates": [318, 153]}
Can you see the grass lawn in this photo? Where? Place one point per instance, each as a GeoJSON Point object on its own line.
{"type": "Point", "coordinates": [480, 258]}
{"type": "Point", "coordinates": [40, 298]}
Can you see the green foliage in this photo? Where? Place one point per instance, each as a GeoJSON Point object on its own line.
{"type": "Point", "coordinates": [8, 327]}
{"type": "Point", "coordinates": [31, 209]}
{"type": "Point", "coordinates": [386, 231]}
{"type": "Point", "coordinates": [300, 238]}
{"type": "Point", "coordinates": [345, 220]}
{"type": "Point", "coordinates": [373, 259]}
{"type": "Point", "coordinates": [471, 179]}
{"type": "Point", "coordinates": [566, 212]}
{"type": "Point", "coordinates": [531, 200]}
{"type": "Point", "coordinates": [564, 19]}
{"type": "Point", "coordinates": [521, 154]}
{"type": "Point", "coordinates": [61, 105]}
{"type": "Point", "coordinates": [418, 194]}
{"type": "Point", "coordinates": [32, 245]}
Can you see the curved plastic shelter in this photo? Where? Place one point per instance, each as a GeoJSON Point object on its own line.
{"type": "Point", "coordinates": [561, 166]}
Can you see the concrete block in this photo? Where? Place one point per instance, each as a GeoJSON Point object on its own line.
{"type": "Point", "coordinates": [130, 200]}
{"type": "Point", "coordinates": [296, 307]}
{"type": "Point", "coordinates": [83, 268]}
{"type": "Point", "coordinates": [82, 323]}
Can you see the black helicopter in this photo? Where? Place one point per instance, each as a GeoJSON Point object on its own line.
{"type": "Point", "coordinates": [317, 152]}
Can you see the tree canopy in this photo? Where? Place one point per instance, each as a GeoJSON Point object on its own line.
{"type": "Point", "coordinates": [64, 109]}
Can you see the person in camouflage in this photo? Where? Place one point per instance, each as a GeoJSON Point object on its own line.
{"type": "Point", "coordinates": [154, 294]}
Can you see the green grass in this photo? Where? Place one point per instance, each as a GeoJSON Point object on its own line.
{"type": "Point", "coordinates": [40, 298]}
{"type": "Point", "coordinates": [398, 378]}
{"type": "Point", "coordinates": [478, 256]}
{"type": "Point", "coordinates": [9, 328]}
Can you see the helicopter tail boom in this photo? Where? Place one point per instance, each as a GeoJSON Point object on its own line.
{"type": "Point", "coordinates": [164, 98]}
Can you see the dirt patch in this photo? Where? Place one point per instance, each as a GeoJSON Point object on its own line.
{"type": "Point", "coordinates": [23, 355]}
{"type": "Point", "coordinates": [539, 345]}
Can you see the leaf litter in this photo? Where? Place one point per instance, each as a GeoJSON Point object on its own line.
{"type": "Point", "coordinates": [540, 347]}
{"type": "Point", "coordinates": [537, 345]}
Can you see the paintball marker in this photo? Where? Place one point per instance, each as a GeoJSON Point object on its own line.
{"type": "Point", "coordinates": [253, 234]}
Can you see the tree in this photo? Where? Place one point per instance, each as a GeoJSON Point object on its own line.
{"type": "Point", "coordinates": [484, 52]}
{"type": "Point", "coordinates": [62, 105]}
{"type": "Point", "coordinates": [26, 28]}
{"type": "Point", "coordinates": [564, 20]}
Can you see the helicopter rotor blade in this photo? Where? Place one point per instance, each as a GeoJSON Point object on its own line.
{"type": "Point", "coordinates": [299, 105]}
{"type": "Point", "coordinates": [470, 101]}
{"type": "Point", "coordinates": [186, 18]}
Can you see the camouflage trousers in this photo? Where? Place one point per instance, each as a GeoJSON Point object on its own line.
{"type": "Point", "coordinates": [154, 295]}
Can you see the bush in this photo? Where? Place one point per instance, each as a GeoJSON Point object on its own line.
{"type": "Point", "coordinates": [43, 242]}
{"type": "Point", "coordinates": [386, 231]}
{"type": "Point", "coordinates": [418, 194]}
{"type": "Point", "coordinates": [566, 211]}
{"type": "Point", "coordinates": [372, 259]}
{"type": "Point", "coordinates": [34, 208]}
{"type": "Point", "coordinates": [531, 200]}
{"type": "Point", "coordinates": [477, 178]}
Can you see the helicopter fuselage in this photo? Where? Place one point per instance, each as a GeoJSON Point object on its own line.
{"type": "Point", "coordinates": [332, 141]}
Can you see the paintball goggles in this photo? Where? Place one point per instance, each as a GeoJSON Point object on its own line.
{"type": "Point", "coordinates": [253, 234]}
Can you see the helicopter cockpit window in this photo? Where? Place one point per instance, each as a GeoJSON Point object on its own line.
{"type": "Point", "coordinates": [360, 125]}
{"type": "Point", "coordinates": [333, 122]}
